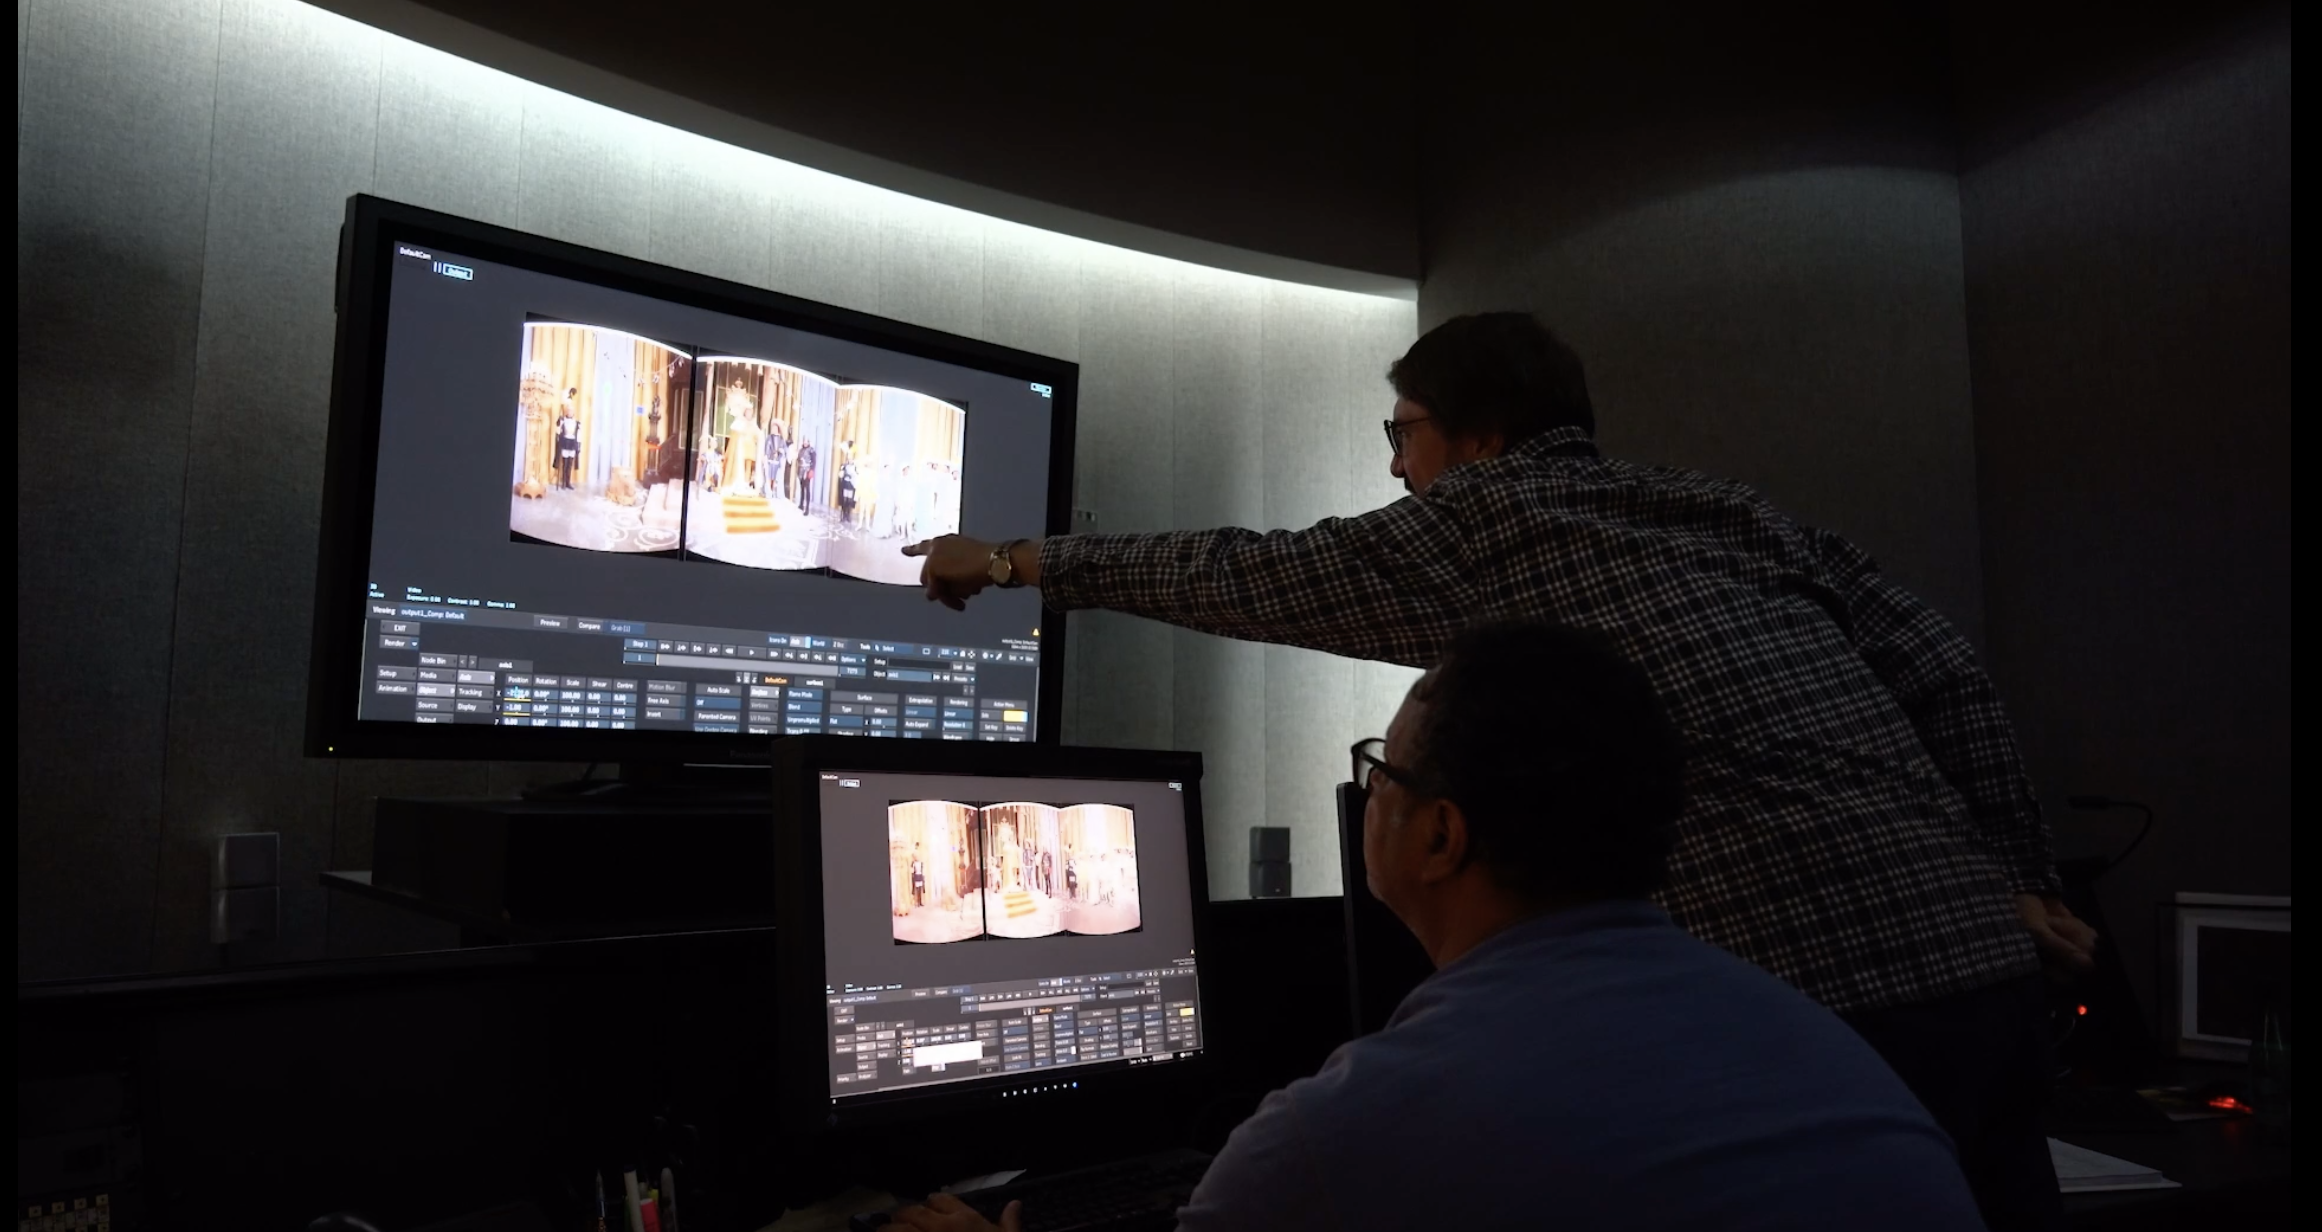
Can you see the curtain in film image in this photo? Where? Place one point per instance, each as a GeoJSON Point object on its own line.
{"type": "Point", "coordinates": [958, 872]}
{"type": "Point", "coordinates": [625, 444]}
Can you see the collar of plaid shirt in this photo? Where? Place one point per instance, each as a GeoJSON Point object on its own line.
{"type": "Point", "coordinates": [1555, 443]}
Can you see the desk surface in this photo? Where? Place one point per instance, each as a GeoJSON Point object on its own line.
{"type": "Point", "coordinates": [482, 927]}
{"type": "Point", "coordinates": [359, 883]}
{"type": "Point", "coordinates": [2227, 1167]}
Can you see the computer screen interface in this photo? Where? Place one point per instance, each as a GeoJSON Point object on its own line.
{"type": "Point", "coordinates": [976, 927]}
{"type": "Point", "coordinates": [599, 509]}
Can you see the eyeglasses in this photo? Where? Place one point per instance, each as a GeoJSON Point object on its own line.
{"type": "Point", "coordinates": [1397, 429]}
{"type": "Point", "coordinates": [1370, 761]}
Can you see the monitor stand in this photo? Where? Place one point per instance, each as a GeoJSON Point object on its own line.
{"type": "Point", "coordinates": [662, 783]}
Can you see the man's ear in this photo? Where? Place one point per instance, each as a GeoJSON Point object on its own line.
{"type": "Point", "coordinates": [1446, 840]}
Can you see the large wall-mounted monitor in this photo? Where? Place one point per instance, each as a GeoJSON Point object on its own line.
{"type": "Point", "coordinates": [583, 507]}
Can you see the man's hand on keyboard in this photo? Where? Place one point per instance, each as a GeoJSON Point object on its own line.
{"type": "Point", "coordinates": [944, 1213]}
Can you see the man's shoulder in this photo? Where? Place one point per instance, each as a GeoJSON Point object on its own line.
{"type": "Point", "coordinates": [1597, 474]}
{"type": "Point", "coordinates": [1380, 1079]}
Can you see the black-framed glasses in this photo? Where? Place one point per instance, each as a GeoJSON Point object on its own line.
{"type": "Point", "coordinates": [1370, 759]}
{"type": "Point", "coordinates": [1397, 429]}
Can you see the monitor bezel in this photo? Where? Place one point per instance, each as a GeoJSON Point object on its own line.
{"type": "Point", "coordinates": [373, 225]}
{"type": "Point", "coordinates": [2186, 919]}
{"type": "Point", "coordinates": [802, 1068]}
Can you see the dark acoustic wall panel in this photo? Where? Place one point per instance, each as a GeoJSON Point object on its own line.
{"type": "Point", "coordinates": [252, 483]}
{"type": "Point", "coordinates": [2127, 216]}
{"type": "Point", "coordinates": [1747, 225]}
{"type": "Point", "coordinates": [112, 209]}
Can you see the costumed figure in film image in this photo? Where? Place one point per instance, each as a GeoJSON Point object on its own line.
{"type": "Point", "coordinates": [1011, 870]}
{"type": "Point", "coordinates": [600, 422]}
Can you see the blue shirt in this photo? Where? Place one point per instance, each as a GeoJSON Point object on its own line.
{"type": "Point", "coordinates": [1595, 1068]}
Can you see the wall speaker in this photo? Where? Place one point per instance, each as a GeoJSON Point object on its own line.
{"type": "Point", "coordinates": [1269, 862]}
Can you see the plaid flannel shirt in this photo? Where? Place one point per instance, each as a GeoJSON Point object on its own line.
{"type": "Point", "coordinates": [1858, 813]}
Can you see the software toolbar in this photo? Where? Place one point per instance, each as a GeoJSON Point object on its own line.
{"type": "Point", "coordinates": [886, 1038]}
{"type": "Point", "coordinates": [431, 663]}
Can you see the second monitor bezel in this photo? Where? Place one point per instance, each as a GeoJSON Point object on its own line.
{"type": "Point", "coordinates": [802, 1065]}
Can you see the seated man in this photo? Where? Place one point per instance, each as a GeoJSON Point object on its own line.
{"type": "Point", "coordinates": [1577, 1061]}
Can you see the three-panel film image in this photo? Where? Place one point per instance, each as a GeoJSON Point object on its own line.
{"type": "Point", "coordinates": [1013, 870]}
{"type": "Point", "coordinates": [630, 444]}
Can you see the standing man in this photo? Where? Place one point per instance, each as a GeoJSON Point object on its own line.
{"type": "Point", "coordinates": [1859, 820]}
{"type": "Point", "coordinates": [713, 465]}
{"type": "Point", "coordinates": [918, 878]}
{"type": "Point", "coordinates": [806, 477]}
{"type": "Point", "coordinates": [930, 480]}
{"type": "Point", "coordinates": [770, 464]}
{"type": "Point", "coordinates": [653, 439]}
{"type": "Point", "coordinates": [567, 438]}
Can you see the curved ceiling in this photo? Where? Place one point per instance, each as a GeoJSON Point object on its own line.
{"type": "Point", "coordinates": [1233, 138]}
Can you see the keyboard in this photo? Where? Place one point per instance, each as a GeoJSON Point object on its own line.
{"type": "Point", "coordinates": [1129, 1195]}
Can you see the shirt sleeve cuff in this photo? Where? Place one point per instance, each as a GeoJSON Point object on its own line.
{"type": "Point", "coordinates": [2041, 881]}
{"type": "Point", "coordinates": [1059, 554]}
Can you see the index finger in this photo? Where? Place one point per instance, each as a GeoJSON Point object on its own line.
{"type": "Point", "coordinates": [918, 549]}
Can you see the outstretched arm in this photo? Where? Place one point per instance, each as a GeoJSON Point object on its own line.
{"type": "Point", "coordinates": [1391, 584]}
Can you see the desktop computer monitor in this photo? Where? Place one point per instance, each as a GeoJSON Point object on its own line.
{"type": "Point", "coordinates": [964, 925]}
{"type": "Point", "coordinates": [583, 507]}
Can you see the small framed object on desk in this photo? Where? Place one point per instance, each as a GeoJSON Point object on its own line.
{"type": "Point", "coordinates": [2227, 956]}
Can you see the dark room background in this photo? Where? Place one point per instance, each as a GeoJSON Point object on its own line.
{"type": "Point", "coordinates": [2001, 292]}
